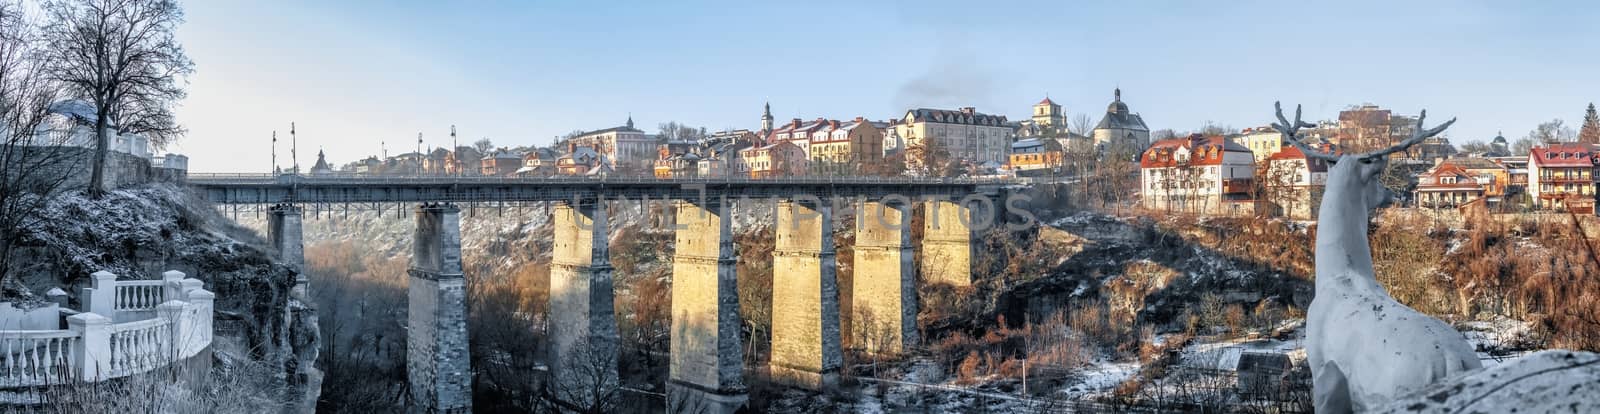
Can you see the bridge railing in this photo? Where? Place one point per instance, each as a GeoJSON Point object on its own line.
{"type": "Point", "coordinates": [130, 337]}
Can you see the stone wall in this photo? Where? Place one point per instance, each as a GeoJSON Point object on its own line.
{"type": "Point", "coordinates": [121, 170]}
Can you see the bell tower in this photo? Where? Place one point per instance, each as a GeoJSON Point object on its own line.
{"type": "Point", "coordinates": [1047, 113]}
{"type": "Point", "coordinates": [766, 117]}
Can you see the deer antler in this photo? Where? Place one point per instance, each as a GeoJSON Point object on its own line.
{"type": "Point", "coordinates": [1417, 136]}
{"type": "Point", "coordinates": [1291, 131]}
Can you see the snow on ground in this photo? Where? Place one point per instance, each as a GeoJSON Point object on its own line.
{"type": "Point", "coordinates": [1223, 355]}
{"type": "Point", "coordinates": [1498, 340]}
{"type": "Point", "coordinates": [1099, 378]}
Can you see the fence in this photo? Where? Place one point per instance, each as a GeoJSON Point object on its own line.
{"type": "Point", "coordinates": [126, 328]}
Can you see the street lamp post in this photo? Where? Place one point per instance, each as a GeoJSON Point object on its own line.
{"type": "Point", "coordinates": [294, 145]}
{"type": "Point", "coordinates": [455, 148]}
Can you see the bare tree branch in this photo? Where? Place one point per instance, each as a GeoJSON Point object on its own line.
{"type": "Point", "coordinates": [122, 56]}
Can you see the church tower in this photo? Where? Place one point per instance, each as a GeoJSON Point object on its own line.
{"type": "Point", "coordinates": [766, 117]}
{"type": "Point", "coordinates": [1047, 114]}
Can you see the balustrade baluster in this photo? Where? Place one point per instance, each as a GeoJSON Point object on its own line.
{"type": "Point", "coordinates": [67, 364]}
{"type": "Point", "coordinates": [8, 367]}
{"type": "Point", "coordinates": [50, 351]}
{"type": "Point", "coordinates": [32, 372]}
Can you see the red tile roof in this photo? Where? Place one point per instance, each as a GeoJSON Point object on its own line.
{"type": "Point", "coordinates": [1429, 181]}
{"type": "Point", "coordinates": [1563, 155]}
{"type": "Point", "coordinates": [1203, 151]}
{"type": "Point", "coordinates": [1293, 153]}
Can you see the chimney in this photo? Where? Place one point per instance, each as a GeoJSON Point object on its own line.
{"type": "Point", "coordinates": [572, 147]}
{"type": "Point", "coordinates": [796, 122]}
{"type": "Point", "coordinates": [859, 119]}
{"type": "Point", "coordinates": [833, 123]}
{"type": "Point", "coordinates": [968, 110]}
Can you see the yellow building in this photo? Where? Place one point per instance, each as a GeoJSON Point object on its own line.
{"type": "Point", "coordinates": [1036, 156]}
{"type": "Point", "coordinates": [1047, 114]}
{"type": "Point", "coordinates": [847, 148]}
{"type": "Point", "coordinates": [1263, 141]}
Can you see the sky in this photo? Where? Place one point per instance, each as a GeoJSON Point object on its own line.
{"type": "Point", "coordinates": [356, 77]}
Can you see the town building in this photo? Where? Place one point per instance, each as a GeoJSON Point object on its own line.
{"type": "Point", "coordinates": [967, 135]}
{"type": "Point", "coordinates": [1447, 185]}
{"type": "Point", "coordinates": [463, 161]}
{"type": "Point", "coordinates": [1364, 127]}
{"type": "Point", "coordinates": [726, 159]}
{"type": "Point", "coordinates": [1048, 116]}
{"type": "Point", "coordinates": [797, 132]}
{"type": "Point", "coordinates": [321, 167]}
{"type": "Point", "coordinates": [540, 162]}
{"type": "Point", "coordinates": [848, 148]}
{"type": "Point", "coordinates": [1516, 177]}
{"type": "Point", "coordinates": [1293, 183]}
{"type": "Point", "coordinates": [1493, 177]}
{"type": "Point", "coordinates": [678, 159]}
{"type": "Point", "coordinates": [1498, 146]}
{"type": "Point", "coordinates": [1263, 142]}
{"type": "Point", "coordinates": [1036, 156]}
{"type": "Point", "coordinates": [1561, 177]}
{"type": "Point", "coordinates": [627, 147]}
{"type": "Point", "coordinates": [1197, 174]}
{"type": "Point", "coordinates": [778, 159]}
{"type": "Point", "coordinates": [1121, 128]}
{"type": "Point", "coordinates": [370, 165]}
{"type": "Point", "coordinates": [1368, 127]}
{"type": "Point", "coordinates": [500, 163]}
{"type": "Point", "coordinates": [581, 161]}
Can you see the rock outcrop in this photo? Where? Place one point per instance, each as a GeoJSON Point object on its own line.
{"type": "Point", "coordinates": [138, 232]}
{"type": "Point", "coordinates": [1554, 381]}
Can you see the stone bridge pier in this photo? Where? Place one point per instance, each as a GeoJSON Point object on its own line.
{"type": "Point", "coordinates": [707, 371]}
{"type": "Point", "coordinates": [947, 242]}
{"type": "Point", "coordinates": [284, 230]}
{"type": "Point", "coordinates": [806, 351]}
{"type": "Point", "coordinates": [583, 327]}
{"type": "Point", "coordinates": [438, 369]}
{"type": "Point", "coordinates": [884, 292]}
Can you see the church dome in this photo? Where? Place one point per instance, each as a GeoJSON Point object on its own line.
{"type": "Point", "coordinates": [1116, 106]}
{"type": "Point", "coordinates": [1498, 139]}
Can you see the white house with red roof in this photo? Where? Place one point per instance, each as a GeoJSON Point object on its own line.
{"type": "Point", "coordinates": [1294, 182]}
{"type": "Point", "coordinates": [1208, 175]}
{"type": "Point", "coordinates": [1562, 177]}
{"type": "Point", "coordinates": [1447, 185]}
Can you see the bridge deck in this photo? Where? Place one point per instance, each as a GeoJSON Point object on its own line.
{"type": "Point", "coordinates": [337, 189]}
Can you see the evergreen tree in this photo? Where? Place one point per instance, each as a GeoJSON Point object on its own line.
{"type": "Point", "coordinates": [1590, 133]}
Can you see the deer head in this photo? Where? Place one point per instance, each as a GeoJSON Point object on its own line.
{"type": "Point", "coordinates": [1354, 175]}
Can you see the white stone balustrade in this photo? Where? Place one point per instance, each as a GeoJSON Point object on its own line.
{"type": "Point", "coordinates": [167, 321]}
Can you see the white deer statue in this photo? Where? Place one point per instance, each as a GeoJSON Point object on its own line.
{"type": "Point", "coordinates": [1364, 347]}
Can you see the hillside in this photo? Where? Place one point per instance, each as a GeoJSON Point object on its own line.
{"type": "Point", "coordinates": [139, 232]}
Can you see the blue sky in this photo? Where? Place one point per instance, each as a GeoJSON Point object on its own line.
{"type": "Point", "coordinates": [352, 74]}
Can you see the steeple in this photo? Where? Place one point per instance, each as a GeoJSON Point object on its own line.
{"type": "Point", "coordinates": [1117, 94]}
{"type": "Point", "coordinates": [630, 120]}
{"type": "Point", "coordinates": [766, 117]}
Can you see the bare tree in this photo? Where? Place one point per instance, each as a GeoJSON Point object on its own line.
{"type": "Point", "coordinates": [1551, 132]}
{"type": "Point", "coordinates": [483, 145]}
{"type": "Point", "coordinates": [1081, 124]}
{"type": "Point", "coordinates": [122, 57]}
{"type": "Point", "coordinates": [33, 163]}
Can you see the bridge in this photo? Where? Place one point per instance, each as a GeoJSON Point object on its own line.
{"type": "Point", "coordinates": [706, 369]}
